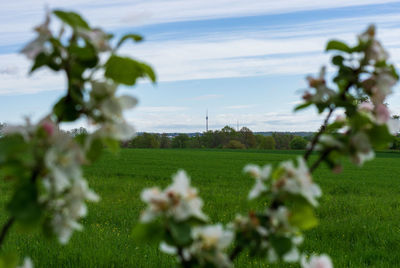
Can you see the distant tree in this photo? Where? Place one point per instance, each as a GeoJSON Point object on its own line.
{"type": "Point", "coordinates": [2, 127]}
{"type": "Point", "coordinates": [282, 141]}
{"type": "Point", "coordinates": [180, 141]}
{"type": "Point", "coordinates": [194, 142]}
{"type": "Point", "coordinates": [145, 140]}
{"type": "Point", "coordinates": [234, 144]}
{"type": "Point", "coordinates": [208, 139]}
{"type": "Point", "coordinates": [265, 142]}
{"type": "Point", "coordinates": [247, 137]}
{"type": "Point", "coordinates": [227, 134]}
{"type": "Point", "coordinates": [165, 141]}
{"type": "Point", "coordinates": [77, 131]}
{"type": "Point", "coordinates": [298, 143]}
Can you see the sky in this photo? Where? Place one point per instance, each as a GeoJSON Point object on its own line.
{"type": "Point", "coordinates": [245, 61]}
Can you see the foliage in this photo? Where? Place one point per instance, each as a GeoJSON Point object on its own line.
{"type": "Point", "coordinates": [298, 143]}
{"type": "Point", "coordinates": [364, 79]}
{"type": "Point", "coordinates": [43, 163]}
{"type": "Point", "coordinates": [234, 144]}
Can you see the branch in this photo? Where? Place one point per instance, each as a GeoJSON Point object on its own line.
{"type": "Point", "coordinates": [184, 262]}
{"type": "Point", "coordinates": [316, 137]}
{"type": "Point", "coordinates": [5, 229]}
{"type": "Point", "coordinates": [236, 251]}
{"type": "Point", "coordinates": [320, 159]}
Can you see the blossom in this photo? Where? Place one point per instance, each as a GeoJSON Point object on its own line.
{"type": "Point", "coordinates": [261, 174]}
{"type": "Point", "coordinates": [382, 114]}
{"type": "Point", "coordinates": [384, 82]}
{"type": "Point", "coordinates": [393, 126]}
{"type": "Point", "coordinates": [70, 208]}
{"type": "Point", "coordinates": [209, 243]}
{"type": "Point", "coordinates": [322, 261]}
{"type": "Point", "coordinates": [322, 92]}
{"type": "Point", "coordinates": [36, 46]}
{"type": "Point", "coordinates": [297, 180]}
{"type": "Point", "coordinates": [27, 263]}
{"type": "Point", "coordinates": [329, 141]}
{"type": "Point", "coordinates": [97, 37]}
{"type": "Point", "coordinates": [363, 148]}
{"type": "Point", "coordinates": [179, 201]}
{"type": "Point", "coordinates": [108, 110]}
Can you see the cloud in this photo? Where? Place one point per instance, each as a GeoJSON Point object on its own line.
{"type": "Point", "coordinates": [205, 97]}
{"type": "Point", "coordinates": [238, 107]}
{"type": "Point", "coordinates": [160, 109]}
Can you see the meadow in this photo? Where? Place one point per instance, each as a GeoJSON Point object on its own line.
{"type": "Point", "coordinates": [359, 212]}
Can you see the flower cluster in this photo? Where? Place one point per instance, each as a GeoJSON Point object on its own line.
{"type": "Point", "coordinates": [363, 82]}
{"type": "Point", "coordinates": [45, 162]}
{"type": "Point", "coordinates": [178, 201]}
{"type": "Point", "coordinates": [63, 190]}
{"type": "Point", "coordinates": [187, 235]}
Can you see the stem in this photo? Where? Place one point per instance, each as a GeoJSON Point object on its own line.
{"type": "Point", "coordinates": [184, 262]}
{"type": "Point", "coordinates": [316, 137]}
{"type": "Point", "coordinates": [319, 160]}
{"type": "Point", "coordinates": [5, 229]}
{"type": "Point", "coordinates": [236, 251]}
{"type": "Point", "coordinates": [9, 223]}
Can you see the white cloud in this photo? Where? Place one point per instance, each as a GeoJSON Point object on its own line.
{"type": "Point", "coordinates": [160, 109]}
{"type": "Point", "coordinates": [239, 107]}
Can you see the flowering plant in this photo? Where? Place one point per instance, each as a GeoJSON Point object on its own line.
{"type": "Point", "coordinates": [357, 95]}
{"type": "Point", "coordinates": [42, 162]}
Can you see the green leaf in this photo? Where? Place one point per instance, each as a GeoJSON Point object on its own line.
{"type": "Point", "coordinates": [133, 37]}
{"type": "Point", "coordinates": [150, 232]}
{"type": "Point", "coordinates": [302, 106]}
{"type": "Point", "coordinates": [86, 55]}
{"type": "Point", "coordinates": [65, 110]}
{"type": "Point", "coordinates": [302, 216]}
{"type": "Point", "coordinates": [9, 260]}
{"type": "Point", "coordinates": [126, 71]}
{"type": "Point", "coordinates": [111, 144]}
{"type": "Point", "coordinates": [72, 19]}
{"type": "Point", "coordinates": [24, 204]}
{"type": "Point", "coordinates": [180, 232]}
{"type": "Point", "coordinates": [337, 60]}
{"type": "Point", "coordinates": [281, 244]}
{"type": "Point", "coordinates": [95, 149]}
{"type": "Point", "coordinates": [338, 45]}
{"type": "Point", "coordinates": [380, 136]}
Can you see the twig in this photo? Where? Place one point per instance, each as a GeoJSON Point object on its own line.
{"type": "Point", "coordinates": [5, 229]}
{"type": "Point", "coordinates": [236, 251]}
{"type": "Point", "coordinates": [316, 137]}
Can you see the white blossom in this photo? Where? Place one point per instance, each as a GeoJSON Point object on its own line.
{"type": "Point", "coordinates": [209, 243]}
{"type": "Point", "coordinates": [364, 152]}
{"type": "Point", "coordinates": [322, 261]}
{"type": "Point", "coordinates": [394, 126]}
{"type": "Point", "coordinates": [36, 46]}
{"type": "Point", "coordinates": [260, 174]}
{"type": "Point", "coordinates": [179, 200]}
{"type": "Point", "coordinates": [108, 110]}
{"type": "Point", "coordinates": [297, 180]}
{"type": "Point", "coordinates": [97, 37]}
{"type": "Point", "coordinates": [27, 263]}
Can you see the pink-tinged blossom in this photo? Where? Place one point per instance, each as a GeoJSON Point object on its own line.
{"type": "Point", "coordinates": [322, 261]}
{"type": "Point", "coordinates": [382, 114]}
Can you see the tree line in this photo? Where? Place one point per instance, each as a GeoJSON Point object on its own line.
{"type": "Point", "coordinates": [225, 138]}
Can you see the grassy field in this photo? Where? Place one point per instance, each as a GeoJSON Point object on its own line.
{"type": "Point", "coordinates": [359, 212]}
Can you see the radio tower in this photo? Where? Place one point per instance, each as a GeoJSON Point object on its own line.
{"type": "Point", "coordinates": [207, 120]}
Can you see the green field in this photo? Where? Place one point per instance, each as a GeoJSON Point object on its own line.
{"type": "Point", "coordinates": [359, 212]}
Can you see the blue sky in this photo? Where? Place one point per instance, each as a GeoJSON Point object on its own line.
{"type": "Point", "coordinates": [245, 61]}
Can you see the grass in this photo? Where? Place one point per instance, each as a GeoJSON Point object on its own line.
{"type": "Point", "coordinates": [359, 212]}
